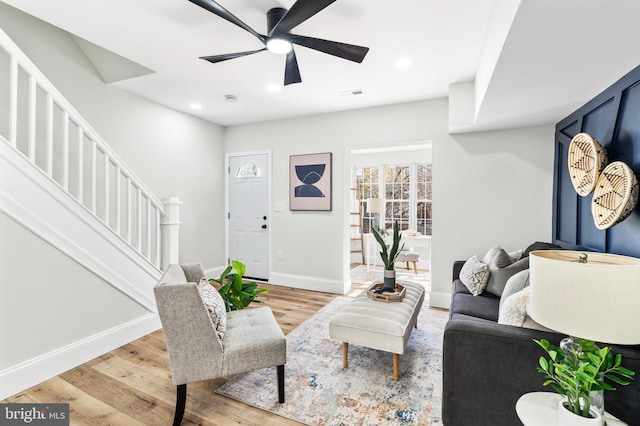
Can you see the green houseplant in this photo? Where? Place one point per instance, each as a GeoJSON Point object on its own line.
{"type": "Point", "coordinates": [236, 293]}
{"type": "Point", "coordinates": [580, 369]}
{"type": "Point", "coordinates": [389, 255]}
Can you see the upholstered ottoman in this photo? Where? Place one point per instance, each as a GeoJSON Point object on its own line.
{"type": "Point", "coordinates": [385, 326]}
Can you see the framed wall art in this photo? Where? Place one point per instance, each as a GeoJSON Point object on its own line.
{"type": "Point", "coordinates": [310, 182]}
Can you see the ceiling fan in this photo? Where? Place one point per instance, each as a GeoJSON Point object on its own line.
{"type": "Point", "coordinates": [280, 22]}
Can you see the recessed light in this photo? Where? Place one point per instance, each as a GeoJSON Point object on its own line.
{"type": "Point", "coordinates": [403, 63]}
{"type": "Point", "coordinates": [195, 106]}
{"type": "Point", "coordinates": [231, 98]}
{"type": "Point", "coordinates": [274, 87]}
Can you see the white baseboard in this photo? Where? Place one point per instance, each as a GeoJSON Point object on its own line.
{"type": "Point", "coordinates": [308, 283]}
{"type": "Point", "coordinates": [440, 300]}
{"type": "Point", "coordinates": [34, 371]}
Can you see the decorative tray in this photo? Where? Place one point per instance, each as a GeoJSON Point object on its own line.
{"type": "Point", "coordinates": [396, 296]}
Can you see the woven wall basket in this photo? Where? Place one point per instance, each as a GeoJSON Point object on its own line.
{"type": "Point", "coordinates": [615, 196]}
{"type": "Point", "coordinates": [587, 159]}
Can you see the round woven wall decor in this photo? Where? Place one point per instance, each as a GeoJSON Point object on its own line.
{"type": "Point", "coordinates": [587, 159]}
{"type": "Point", "coordinates": [615, 196]}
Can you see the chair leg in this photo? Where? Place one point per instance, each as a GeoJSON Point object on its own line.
{"type": "Point", "coordinates": [181, 401]}
{"type": "Point", "coordinates": [281, 384]}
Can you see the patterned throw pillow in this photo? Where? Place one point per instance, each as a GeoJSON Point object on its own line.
{"type": "Point", "coordinates": [474, 275]}
{"type": "Point", "coordinates": [215, 305]}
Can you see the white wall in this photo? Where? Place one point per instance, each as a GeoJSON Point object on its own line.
{"type": "Point", "coordinates": [490, 187]}
{"type": "Point", "coordinates": [314, 244]}
{"type": "Point", "coordinates": [173, 153]}
{"type": "Point", "coordinates": [56, 314]}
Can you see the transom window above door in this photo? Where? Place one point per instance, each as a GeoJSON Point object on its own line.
{"type": "Point", "coordinates": [248, 170]}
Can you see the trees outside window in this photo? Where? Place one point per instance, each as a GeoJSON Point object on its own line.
{"type": "Point", "coordinates": [407, 190]}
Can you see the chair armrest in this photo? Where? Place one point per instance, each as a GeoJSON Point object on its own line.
{"type": "Point", "coordinates": [457, 267]}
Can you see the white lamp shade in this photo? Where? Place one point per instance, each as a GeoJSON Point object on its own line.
{"type": "Point", "coordinates": [376, 205]}
{"type": "Point", "coordinates": [598, 300]}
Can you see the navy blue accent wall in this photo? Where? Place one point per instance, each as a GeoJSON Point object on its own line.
{"type": "Point", "coordinates": [613, 118]}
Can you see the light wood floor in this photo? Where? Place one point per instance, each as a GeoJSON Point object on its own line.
{"type": "Point", "coordinates": [132, 384]}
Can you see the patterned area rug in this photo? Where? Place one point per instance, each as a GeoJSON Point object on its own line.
{"type": "Point", "coordinates": [320, 392]}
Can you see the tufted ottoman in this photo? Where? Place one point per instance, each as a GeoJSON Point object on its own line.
{"type": "Point", "coordinates": [378, 325]}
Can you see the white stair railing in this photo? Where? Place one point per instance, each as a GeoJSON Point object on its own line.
{"type": "Point", "coordinates": [45, 128]}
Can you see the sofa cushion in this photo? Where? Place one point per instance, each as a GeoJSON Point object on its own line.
{"type": "Point", "coordinates": [495, 250]}
{"type": "Point", "coordinates": [474, 275]}
{"type": "Point", "coordinates": [212, 300]}
{"type": "Point", "coordinates": [483, 306]}
{"type": "Point", "coordinates": [501, 269]}
{"type": "Point", "coordinates": [514, 284]}
{"type": "Point", "coordinates": [540, 246]}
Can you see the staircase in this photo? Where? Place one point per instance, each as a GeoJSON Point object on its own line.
{"type": "Point", "coordinates": [69, 197]}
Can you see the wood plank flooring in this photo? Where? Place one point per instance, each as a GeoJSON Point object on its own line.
{"type": "Point", "coordinates": [132, 384]}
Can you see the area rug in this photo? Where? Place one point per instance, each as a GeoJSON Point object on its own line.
{"type": "Point", "coordinates": [320, 392]}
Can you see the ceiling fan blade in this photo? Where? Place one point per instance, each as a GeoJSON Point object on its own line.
{"type": "Point", "coordinates": [215, 8]}
{"type": "Point", "coordinates": [342, 50]}
{"type": "Point", "coordinates": [291, 70]}
{"type": "Point", "coordinates": [219, 58]}
{"type": "Point", "coordinates": [298, 13]}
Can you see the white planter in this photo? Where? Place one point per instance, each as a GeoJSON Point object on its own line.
{"type": "Point", "coordinates": [567, 418]}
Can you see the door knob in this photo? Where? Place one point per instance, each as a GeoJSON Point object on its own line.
{"type": "Point", "coordinates": [264, 226]}
{"type": "Point", "coordinates": [264, 217]}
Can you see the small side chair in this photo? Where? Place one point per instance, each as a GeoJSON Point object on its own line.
{"type": "Point", "coordinates": [409, 256]}
{"type": "Point", "coordinates": [253, 339]}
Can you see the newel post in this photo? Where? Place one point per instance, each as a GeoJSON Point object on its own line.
{"type": "Point", "coordinates": [170, 228]}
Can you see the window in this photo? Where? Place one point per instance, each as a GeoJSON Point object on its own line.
{"type": "Point", "coordinates": [367, 184]}
{"type": "Point", "coordinates": [423, 198]}
{"type": "Point", "coordinates": [248, 170]}
{"type": "Point", "coordinates": [397, 188]}
{"type": "Point", "coordinates": [407, 190]}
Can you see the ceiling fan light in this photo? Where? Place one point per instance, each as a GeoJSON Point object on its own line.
{"type": "Point", "coordinates": [279, 46]}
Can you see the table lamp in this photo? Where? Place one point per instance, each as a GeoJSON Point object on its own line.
{"type": "Point", "coordinates": [593, 296]}
{"type": "Point", "coordinates": [376, 205]}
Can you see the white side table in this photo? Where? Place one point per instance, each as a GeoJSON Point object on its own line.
{"type": "Point", "coordinates": [541, 409]}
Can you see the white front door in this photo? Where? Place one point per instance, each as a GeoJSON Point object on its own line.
{"type": "Point", "coordinates": [249, 213]}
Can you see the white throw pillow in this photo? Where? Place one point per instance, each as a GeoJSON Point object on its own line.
{"type": "Point", "coordinates": [474, 275]}
{"type": "Point", "coordinates": [514, 309]}
{"type": "Point", "coordinates": [514, 284]}
{"type": "Point", "coordinates": [212, 300]}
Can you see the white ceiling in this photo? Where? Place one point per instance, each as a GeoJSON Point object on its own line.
{"type": "Point", "coordinates": [532, 61]}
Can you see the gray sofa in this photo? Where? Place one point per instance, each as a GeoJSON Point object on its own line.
{"type": "Point", "coordinates": [487, 366]}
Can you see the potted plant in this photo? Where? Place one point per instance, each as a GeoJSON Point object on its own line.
{"type": "Point", "coordinates": [576, 371]}
{"type": "Point", "coordinates": [389, 256]}
{"type": "Point", "coordinates": [236, 293]}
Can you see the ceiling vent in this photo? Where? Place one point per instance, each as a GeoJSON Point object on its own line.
{"type": "Point", "coordinates": [352, 92]}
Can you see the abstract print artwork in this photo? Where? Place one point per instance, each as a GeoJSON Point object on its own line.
{"type": "Point", "coordinates": [310, 182]}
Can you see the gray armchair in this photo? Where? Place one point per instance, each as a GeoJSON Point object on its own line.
{"type": "Point", "coordinates": [253, 339]}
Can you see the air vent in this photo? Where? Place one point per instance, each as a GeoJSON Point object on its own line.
{"type": "Point", "coordinates": [352, 92]}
